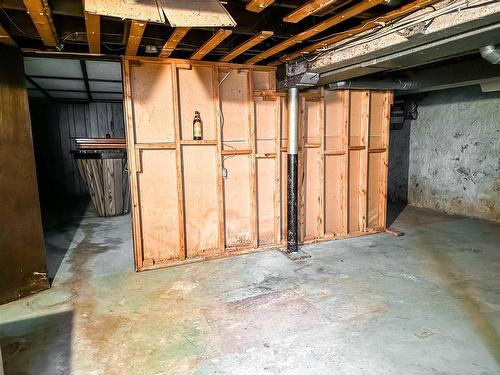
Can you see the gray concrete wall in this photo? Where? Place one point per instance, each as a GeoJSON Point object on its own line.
{"type": "Point", "coordinates": [454, 163]}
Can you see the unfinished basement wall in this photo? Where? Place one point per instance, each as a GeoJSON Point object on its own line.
{"type": "Point", "coordinates": [455, 153]}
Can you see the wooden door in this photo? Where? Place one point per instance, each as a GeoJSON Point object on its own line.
{"type": "Point", "coordinates": [22, 254]}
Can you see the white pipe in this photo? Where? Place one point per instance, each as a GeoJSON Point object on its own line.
{"type": "Point", "coordinates": [293, 119]}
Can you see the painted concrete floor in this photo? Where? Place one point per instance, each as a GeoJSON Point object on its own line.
{"type": "Point", "coordinates": [424, 303]}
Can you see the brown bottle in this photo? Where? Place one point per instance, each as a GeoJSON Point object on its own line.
{"type": "Point", "coordinates": [197, 127]}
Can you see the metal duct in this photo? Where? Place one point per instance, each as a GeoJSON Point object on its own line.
{"type": "Point", "coordinates": [393, 84]}
{"type": "Point", "coordinates": [491, 54]}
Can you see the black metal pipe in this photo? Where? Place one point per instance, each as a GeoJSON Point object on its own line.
{"type": "Point", "coordinates": [291, 195]}
{"type": "Point", "coordinates": [292, 179]}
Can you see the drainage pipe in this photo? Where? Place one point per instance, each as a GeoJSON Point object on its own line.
{"type": "Point", "coordinates": [292, 178]}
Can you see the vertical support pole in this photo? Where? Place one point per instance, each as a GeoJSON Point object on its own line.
{"type": "Point", "coordinates": [293, 120]}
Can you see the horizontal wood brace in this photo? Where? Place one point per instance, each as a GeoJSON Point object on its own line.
{"type": "Point", "coordinates": [236, 152]}
{"type": "Point", "coordinates": [155, 146]}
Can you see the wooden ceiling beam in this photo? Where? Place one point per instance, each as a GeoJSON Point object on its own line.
{"type": "Point", "coordinates": [258, 5]}
{"type": "Point", "coordinates": [210, 44]}
{"type": "Point", "coordinates": [93, 27]}
{"type": "Point", "coordinates": [256, 39]}
{"type": "Point", "coordinates": [41, 16]}
{"type": "Point", "coordinates": [173, 41]}
{"type": "Point", "coordinates": [320, 27]}
{"type": "Point", "coordinates": [5, 38]}
{"type": "Point", "coordinates": [135, 36]}
{"type": "Point", "coordinates": [305, 10]}
{"type": "Point", "coordinates": [370, 24]}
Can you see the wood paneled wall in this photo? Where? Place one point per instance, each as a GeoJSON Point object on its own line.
{"type": "Point", "coordinates": [226, 194]}
{"type": "Point", "coordinates": [55, 124]}
{"type": "Point", "coordinates": [22, 254]}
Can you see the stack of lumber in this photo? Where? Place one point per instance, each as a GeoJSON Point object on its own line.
{"type": "Point", "coordinates": [102, 163]}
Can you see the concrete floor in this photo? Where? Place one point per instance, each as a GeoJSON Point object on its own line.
{"type": "Point", "coordinates": [424, 303]}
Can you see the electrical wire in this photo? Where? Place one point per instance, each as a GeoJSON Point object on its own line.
{"type": "Point", "coordinates": [17, 27]}
{"type": "Point", "coordinates": [405, 22]}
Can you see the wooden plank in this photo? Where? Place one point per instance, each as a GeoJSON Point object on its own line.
{"type": "Point", "coordinates": [131, 159]}
{"type": "Point", "coordinates": [42, 18]}
{"type": "Point", "coordinates": [135, 36]}
{"type": "Point", "coordinates": [253, 163]}
{"type": "Point", "coordinates": [93, 27]}
{"type": "Point", "coordinates": [277, 172]}
{"type": "Point", "coordinates": [363, 161]}
{"type": "Point", "coordinates": [210, 44]}
{"type": "Point", "coordinates": [316, 29]}
{"type": "Point", "coordinates": [388, 100]}
{"type": "Point", "coordinates": [245, 46]}
{"type": "Point", "coordinates": [218, 157]}
{"type": "Point", "coordinates": [305, 10]}
{"type": "Point", "coordinates": [321, 169]}
{"type": "Point", "coordinates": [196, 13]}
{"type": "Point", "coordinates": [345, 172]}
{"type": "Point", "coordinates": [5, 38]}
{"type": "Point", "coordinates": [173, 41]}
{"type": "Point", "coordinates": [236, 152]}
{"type": "Point", "coordinates": [367, 25]}
{"type": "Point", "coordinates": [258, 6]}
{"type": "Point", "coordinates": [178, 164]}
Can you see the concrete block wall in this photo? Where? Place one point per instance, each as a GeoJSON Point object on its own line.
{"type": "Point", "coordinates": [454, 153]}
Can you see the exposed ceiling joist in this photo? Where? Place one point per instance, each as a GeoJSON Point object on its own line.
{"type": "Point", "coordinates": [256, 39]}
{"type": "Point", "coordinates": [5, 38]}
{"type": "Point", "coordinates": [367, 25]}
{"type": "Point", "coordinates": [93, 27]}
{"type": "Point", "coordinates": [134, 39]}
{"type": "Point", "coordinates": [210, 44]}
{"type": "Point", "coordinates": [258, 5]}
{"type": "Point", "coordinates": [41, 16]}
{"type": "Point", "coordinates": [320, 27]}
{"type": "Point", "coordinates": [307, 9]}
{"type": "Point", "coordinates": [173, 41]}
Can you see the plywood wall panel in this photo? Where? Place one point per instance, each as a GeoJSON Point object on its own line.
{"type": "Point", "coordinates": [237, 198]}
{"type": "Point", "coordinates": [374, 177]}
{"type": "Point", "coordinates": [200, 200]}
{"type": "Point", "coordinates": [157, 196]}
{"type": "Point", "coordinates": [334, 125]}
{"type": "Point", "coordinates": [263, 80]}
{"type": "Point", "coordinates": [334, 195]}
{"type": "Point", "coordinates": [234, 104]}
{"type": "Point", "coordinates": [196, 93]}
{"type": "Point", "coordinates": [266, 112]}
{"type": "Point", "coordinates": [151, 86]}
{"type": "Point", "coordinates": [265, 201]}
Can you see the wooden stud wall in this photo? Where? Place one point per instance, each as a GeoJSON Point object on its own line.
{"type": "Point", "coordinates": [343, 151]}
{"type": "Point", "coordinates": [226, 194]}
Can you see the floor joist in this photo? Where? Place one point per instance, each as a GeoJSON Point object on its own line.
{"type": "Point", "coordinates": [134, 39]}
{"type": "Point", "coordinates": [367, 25]}
{"type": "Point", "coordinates": [256, 39]}
{"type": "Point", "coordinates": [42, 18]}
{"type": "Point", "coordinates": [307, 9]}
{"type": "Point", "coordinates": [173, 41]}
{"type": "Point", "coordinates": [210, 44]}
{"type": "Point", "coordinates": [320, 27]}
{"type": "Point", "coordinates": [258, 5]}
{"type": "Point", "coordinates": [93, 27]}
